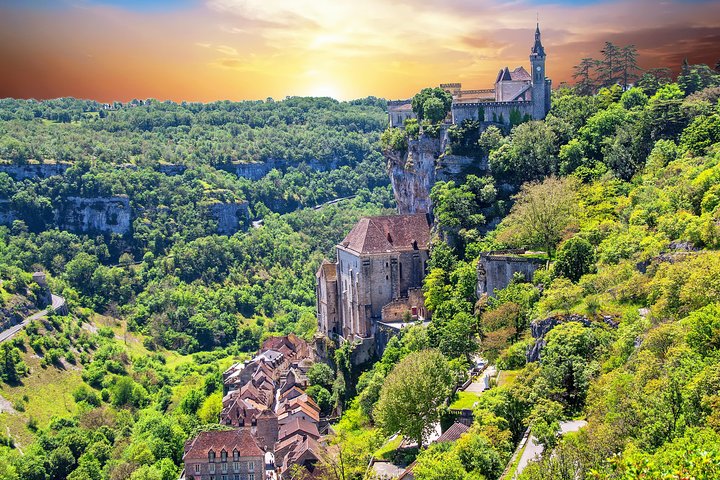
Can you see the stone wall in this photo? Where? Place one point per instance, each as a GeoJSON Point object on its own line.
{"type": "Point", "coordinates": [95, 215]}
{"type": "Point", "coordinates": [395, 311]}
{"type": "Point", "coordinates": [493, 112]}
{"type": "Point", "coordinates": [35, 170]}
{"type": "Point", "coordinates": [495, 270]}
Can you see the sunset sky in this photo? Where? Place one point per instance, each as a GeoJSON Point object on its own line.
{"type": "Point", "coordinates": [204, 50]}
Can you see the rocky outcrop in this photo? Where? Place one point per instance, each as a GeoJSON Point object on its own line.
{"type": "Point", "coordinates": [230, 216]}
{"type": "Point", "coordinates": [95, 215]}
{"type": "Point", "coordinates": [257, 170]}
{"type": "Point", "coordinates": [414, 172]}
{"type": "Point", "coordinates": [540, 328]}
{"type": "Point", "coordinates": [34, 170]}
{"type": "Point", "coordinates": [495, 270]}
{"type": "Point", "coordinates": [171, 169]}
{"type": "Point", "coordinates": [7, 214]}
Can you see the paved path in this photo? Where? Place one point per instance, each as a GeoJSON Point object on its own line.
{"type": "Point", "coordinates": [533, 450]}
{"type": "Point", "coordinates": [57, 303]}
{"type": "Point", "coordinates": [478, 386]}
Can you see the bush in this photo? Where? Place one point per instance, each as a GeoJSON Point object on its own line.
{"type": "Point", "coordinates": [514, 357]}
{"type": "Point", "coordinates": [575, 258]}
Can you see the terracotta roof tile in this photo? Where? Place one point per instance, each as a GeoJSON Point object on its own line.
{"type": "Point", "coordinates": [391, 233]}
{"type": "Point", "coordinates": [520, 74]}
{"type": "Point", "coordinates": [298, 426]}
{"type": "Point", "coordinates": [453, 433]}
{"type": "Point", "coordinates": [230, 440]}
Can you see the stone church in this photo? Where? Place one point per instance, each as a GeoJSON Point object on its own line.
{"type": "Point", "coordinates": [517, 93]}
{"type": "Point", "coordinates": [374, 286]}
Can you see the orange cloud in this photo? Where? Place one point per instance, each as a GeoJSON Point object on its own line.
{"type": "Point", "coordinates": [238, 49]}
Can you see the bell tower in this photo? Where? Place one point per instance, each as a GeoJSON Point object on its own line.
{"type": "Point", "coordinates": [540, 87]}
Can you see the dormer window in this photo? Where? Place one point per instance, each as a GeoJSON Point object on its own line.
{"type": "Point", "coordinates": [211, 456]}
{"type": "Point", "coordinates": [236, 455]}
{"type": "Point", "coordinates": [223, 456]}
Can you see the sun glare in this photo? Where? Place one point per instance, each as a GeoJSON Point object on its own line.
{"type": "Point", "coordinates": [325, 90]}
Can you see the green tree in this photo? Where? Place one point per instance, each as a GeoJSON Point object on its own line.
{"type": "Point", "coordinates": [437, 111]}
{"type": "Point", "coordinates": [545, 422]}
{"type": "Point", "coordinates": [530, 153]}
{"type": "Point", "coordinates": [438, 462]}
{"type": "Point", "coordinates": [567, 362]}
{"type": "Point", "coordinates": [541, 214]}
{"type": "Point", "coordinates": [575, 258]}
{"type": "Point", "coordinates": [321, 374]}
{"type": "Point", "coordinates": [414, 391]}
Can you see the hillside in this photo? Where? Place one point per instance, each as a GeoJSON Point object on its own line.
{"type": "Point", "coordinates": [615, 195]}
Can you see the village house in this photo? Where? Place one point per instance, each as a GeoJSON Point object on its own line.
{"type": "Point", "coordinates": [224, 455]}
{"type": "Point", "coordinates": [265, 400]}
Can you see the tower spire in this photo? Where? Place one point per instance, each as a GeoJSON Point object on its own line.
{"type": "Point", "coordinates": [538, 48]}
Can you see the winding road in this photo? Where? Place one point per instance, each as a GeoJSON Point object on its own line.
{"type": "Point", "coordinates": [533, 450]}
{"type": "Point", "coordinates": [58, 302]}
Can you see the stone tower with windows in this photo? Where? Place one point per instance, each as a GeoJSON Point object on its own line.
{"type": "Point", "coordinates": [540, 86]}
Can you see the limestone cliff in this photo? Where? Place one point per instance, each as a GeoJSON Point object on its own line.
{"type": "Point", "coordinates": [257, 170]}
{"type": "Point", "coordinates": [99, 214]}
{"type": "Point", "coordinates": [230, 216]}
{"type": "Point", "coordinates": [414, 172]}
{"type": "Point", "coordinates": [34, 170]}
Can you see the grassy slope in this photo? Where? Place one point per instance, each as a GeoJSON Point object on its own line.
{"type": "Point", "coordinates": [49, 390]}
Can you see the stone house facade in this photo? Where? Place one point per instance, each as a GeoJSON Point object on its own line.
{"type": "Point", "coordinates": [224, 455]}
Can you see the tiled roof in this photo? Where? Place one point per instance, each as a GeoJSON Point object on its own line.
{"type": "Point", "coordinates": [520, 74]}
{"type": "Point", "coordinates": [453, 433]}
{"type": "Point", "coordinates": [329, 270]}
{"type": "Point", "coordinates": [239, 439]}
{"type": "Point", "coordinates": [391, 233]}
{"type": "Point", "coordinates": [298, 426]}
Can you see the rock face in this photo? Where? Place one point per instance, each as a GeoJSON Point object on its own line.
{"type": "Point", "coordinates": [230, 217]}
{"type": "Point", "coordinates": [171, 169]}
{"type": "Point", "coordinates": [257, 170]}
{"type": "Point", "coordinates": [99, 214]}
{"type": "Point", "coordinates": [414, 172]}
{"type": "Point", "coordinates": [7, 214]}
{"type": "Point", "coordinates": [495, 270]}
{"type": "Point", "coordinates": [540, 328]}
{"type": "Point", "coordinates": [35, 170]}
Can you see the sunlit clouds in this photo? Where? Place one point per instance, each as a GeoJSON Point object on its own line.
{"type": "Point", "coordinates": [238, 49]}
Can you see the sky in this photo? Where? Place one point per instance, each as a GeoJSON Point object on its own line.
{"type": "Point", "coordinates": [205, 50]}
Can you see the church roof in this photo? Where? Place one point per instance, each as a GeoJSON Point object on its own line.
{"type": "Point", "coordinates": [520, 74]}
{"type": "Point", "coordinates": [517, 75]}
{"type": "Point", "coordinates": [329, 270]}
{"type": "Point", "coordinates": [390, 233]}
{"type": "Point", "coordinates": [537, 48]}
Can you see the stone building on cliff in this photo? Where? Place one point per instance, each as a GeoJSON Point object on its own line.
{"type": "Point", "coordinates": [517, 94]}
{"type": "Point", "coordinates": [375, 284]}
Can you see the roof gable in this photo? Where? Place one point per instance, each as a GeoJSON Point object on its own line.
{"type": "Point", "coordinates": [390, 233]}
{"type": "Point", "coordinates": [227, 440]}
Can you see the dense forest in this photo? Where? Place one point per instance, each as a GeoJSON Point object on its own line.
{"type": "Point", "coordinates": [617, 190]}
